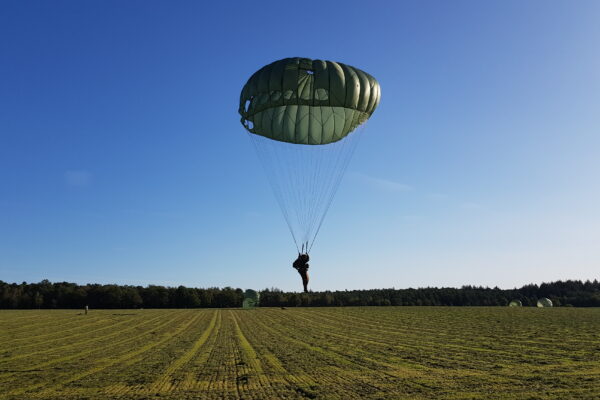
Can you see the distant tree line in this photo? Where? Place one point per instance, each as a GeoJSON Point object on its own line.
{"type": "Point", "coordinates": [70, 295]}
{"type": "Point", "coordinates": [567, 293]}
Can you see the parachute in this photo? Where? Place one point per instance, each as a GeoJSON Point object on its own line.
{"type": "Point", "coordinates": [515, 303]}
{"type": "Point", "coordinates": [302, 116]}
{"type": "Point", "coordinates": [251, 299]}
{"type": "Point", "coordinates": [544, 302]}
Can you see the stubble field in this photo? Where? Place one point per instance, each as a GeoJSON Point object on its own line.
{"type": "Point", "coordinates": [317, 353]}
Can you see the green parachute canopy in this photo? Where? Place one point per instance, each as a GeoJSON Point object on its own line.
{"type": "Point", "coordinates": [515, 303]}
{"type": "Point", "coordinates": [544, 302]}
{"type": "Point", "coordinates": [251, 299]}
{"type": "Point", "coordinates": [304, 101]}
{"type": "Point", "coordinates": [302, 116]}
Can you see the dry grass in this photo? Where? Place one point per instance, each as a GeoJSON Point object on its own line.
{"type": "Point", "coordinates": [329, 353]}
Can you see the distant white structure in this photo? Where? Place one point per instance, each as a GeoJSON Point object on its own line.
{"type": "Point", "coordinates": [515, 303]}
{"type": "Point", "coordinates": [544, 302]}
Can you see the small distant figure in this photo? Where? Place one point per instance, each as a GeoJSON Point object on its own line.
{"type": "Point", "coordinates": [86, 310]}
{"type": "Point", "coordinates": [301, 265]}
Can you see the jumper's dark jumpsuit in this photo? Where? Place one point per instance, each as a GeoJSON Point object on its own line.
{"type": "Point", "coordinates": [301, 265]}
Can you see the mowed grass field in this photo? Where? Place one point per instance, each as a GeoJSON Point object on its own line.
{"type": "Point", "coordinates": [321, 353]}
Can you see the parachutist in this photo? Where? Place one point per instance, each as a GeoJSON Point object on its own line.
{"type": "Point", "coordinates": [303, 117]}
{"type": "Point", "coordinates": [301, 265]}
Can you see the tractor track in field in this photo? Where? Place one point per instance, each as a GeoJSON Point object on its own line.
{"type": "Point", "coordinates": [100, 322]}
{"type": "Point", "coordinates": [43, 323]}
{"type": "Point", "coordinates": [422, 344]}
{"type": "Point", "coordinates": [163, 379]}
{"type": "Point", "coordinates": [506, 351]}
{"type": "Point", "coordinates": [303, 353]}
{"type": "Point", "coordinates": [251, 359]}
{"type": "Point", "coordinates": [106, 362]}
{"type": "Point", "coordinates": [483, 326]}
{"type": "Point", "coordinates": [34, 338]}
{"type": "Point", "coordinates": [430, 339]}
{"type": "Point", "coordinates": [300, 380]}
{"type": "Point", "coordinates": [404, 366]}
{"type": "Point", "coordinates": [39, 323]}
{"type": "Point", "coordinates": [189, 381]}
{"type": "Point", "coordinates": [164, 382]}
{"type": "Point", "coordinates": [85, 341]}
{"type": "Point", "coordinates": [39, 367]}
{"type": "Point", "coordinates": [167, 381]}
{"type": "Point", "coordinates": [343, 365]}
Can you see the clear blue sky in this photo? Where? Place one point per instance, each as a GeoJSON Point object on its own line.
{"type": "Point", "coordinates": [122, 158]}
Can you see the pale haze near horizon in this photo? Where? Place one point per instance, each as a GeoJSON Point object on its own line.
{"type": "Point", "coordinates": [122, 159]}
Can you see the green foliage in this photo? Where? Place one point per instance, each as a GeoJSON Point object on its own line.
{"type": "Point", "coordinates": [69, 295]}
{"type": "Point", "coordinates": [575, 293]}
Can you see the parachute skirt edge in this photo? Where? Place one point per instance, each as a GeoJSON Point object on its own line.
{"type": "Point", "coordinates": [318, 126]}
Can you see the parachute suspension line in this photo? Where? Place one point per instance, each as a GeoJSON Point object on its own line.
{"type": "Point", "coordinates": [264, 160]}
{"type": "Point", "coordinates": [297, 181]}
{"type": "Point", "coordinates": [304, 180]}
{"type": "Point", "coordinates": [313, 192]}
{"type": "Point", "coordinates": [319, 184]}
{"type": "Point", "coordinates": [285, 183]}
{"type": "Point", "coordinates": [290, 163]}
{"type": "Point", "coordinates": [351, 142]}
{"type": "Point", "coordinates": [327, 183]}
